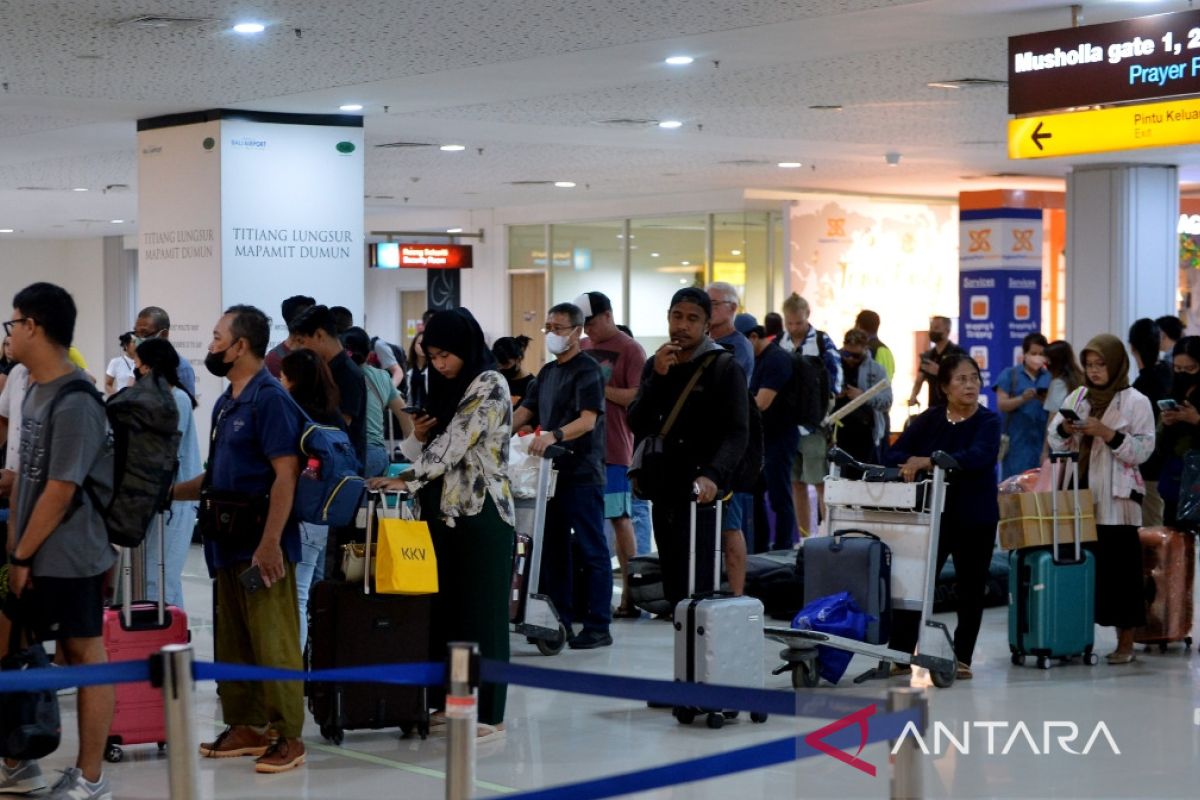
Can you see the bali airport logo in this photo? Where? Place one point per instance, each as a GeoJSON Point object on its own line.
{"type": "Point", "coordinates": [249, 143]}
{"type": "Point", "coordinates": [1001, 738]}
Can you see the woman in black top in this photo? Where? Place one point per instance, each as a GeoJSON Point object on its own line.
{"type": "Point", "coordinates": [1154, 381]}
{"type": "Point", "coordinates": [1179, 432]}
{"type": "Point", "coordinates": [971, 434]}
{"type": "Point", "coordinates": [510, 355]}
{"type": "Point", "coordinates": [418, 374]}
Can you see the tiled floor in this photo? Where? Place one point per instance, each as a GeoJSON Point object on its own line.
{"type": "Point", "coordinates": [558, 738]}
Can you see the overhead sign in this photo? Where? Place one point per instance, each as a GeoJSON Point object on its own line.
{"type": "Point", "coordinates": [1168, 124]}
{"type": "Point", "coordinates": [1117, 62]}
{"type": "Point", "coordinates": [393, 255]}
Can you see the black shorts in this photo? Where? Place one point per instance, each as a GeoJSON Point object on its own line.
{"type": "Point", "coordinates": [62, 608]}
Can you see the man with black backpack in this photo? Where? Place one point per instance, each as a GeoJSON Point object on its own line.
{"type": "Point", "coordinates": [707, 436]}
{"type": "Point", "coordinates": [817, 371]}
{"type": "Point", "coordinates": [58, 545]}
{"type": "Point", "coordinates": [252, 543]}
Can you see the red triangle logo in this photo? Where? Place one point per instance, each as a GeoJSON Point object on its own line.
{"type": "Point", "coordinates": [816, 741]}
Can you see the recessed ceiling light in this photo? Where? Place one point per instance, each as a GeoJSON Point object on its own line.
{"type": "Point", "coordinates": [79, 189]}
{"type": "Point", "coordinates": [351, 107]}
{"type": "Point", "coordinates": [686, 263]}
{"type": "Point", "coordinates": [735, 252]}
{"type": "Point", "coordinates": [116, 221]}
{"type": "Point", "coordinates": [680, 61]}
{"type": "Point", "coordinates": [6, 230]}
{"type": "Point", "coordinates": [892, 159]}
{"type": "Point", "coordinates": [565, 184]}
{"type": "Point", "coordinates": [790, 164]}
{"type": "Point", "coordinates": [670, 124]}
{"type": "Point", "coordinates": [453, 230]}
{"type": "Point", "coordinates": [654, 255]}
{"type": "Point", "coordinates": [249, 27]}
{"type": "Point", "coordinates": [452, 148]}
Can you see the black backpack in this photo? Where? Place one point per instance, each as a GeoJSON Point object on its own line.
{"type": "Point", "coordinates": [810, 391]}
{"type": "Point", "coordinates": [142, 452]}
{"type": "Point", "coordinates": [748, 472]}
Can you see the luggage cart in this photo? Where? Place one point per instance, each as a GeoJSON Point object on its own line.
{"type": "Point", "coordinates": [907, 517]}
{"type": "Point", "coordinates": [539, 621]}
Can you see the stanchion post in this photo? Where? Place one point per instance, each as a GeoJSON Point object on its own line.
{"type": "Point", "coordinates": [172, 671]}
{"type": "Point", "coordinates": [461, 716]}
{"type": "Point", "coordinates": [906, 762]}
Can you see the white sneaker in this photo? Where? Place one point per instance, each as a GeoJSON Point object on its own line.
{"type": "Point", "coordinates": [24, 778]}
{"type": "Point", "coordinates": [72, 786]}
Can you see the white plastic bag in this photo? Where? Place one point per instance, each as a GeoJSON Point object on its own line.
{"type": "Point", "coordinates": [522, 467]}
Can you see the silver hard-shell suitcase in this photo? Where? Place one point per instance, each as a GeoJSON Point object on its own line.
{"type": "Point", "coordinates": [718, 637]}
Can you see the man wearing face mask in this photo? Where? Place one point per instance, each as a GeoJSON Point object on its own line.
{"type": "Point", "coordinates": [252, 543]}
{"type": "Point", "coordinates": [1020, 390]}
{"type": "Point", "coordinates": [939, 337]}
{"type": "Point", "coordinates": [567, 404]}
{"type": "Point", "coordinates": [863, 430]}
{"type": "Point", "coordinates": [153, 322]}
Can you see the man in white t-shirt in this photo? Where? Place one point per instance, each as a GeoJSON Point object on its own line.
{"type": "Point", "coordinates": [122, 370]}
{"type": "Point", "coordinates": [11, 399]}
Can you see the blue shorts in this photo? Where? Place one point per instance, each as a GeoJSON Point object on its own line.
{"type": "Point", "coordinates": [735, 510]}
{"type": "Point", "coordinates": [618, 497]}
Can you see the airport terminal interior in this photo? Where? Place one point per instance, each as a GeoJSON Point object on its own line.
{"type": "Point", "coordinates": [1011, 167]}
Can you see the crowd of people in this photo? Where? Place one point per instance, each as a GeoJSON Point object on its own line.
{"type": "Point", "coordinates": [726, 409]}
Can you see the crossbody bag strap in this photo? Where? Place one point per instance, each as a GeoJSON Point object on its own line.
{"type": "Point", "coordinates": [1011, 393]}
{"type": "Point", "coordinates": [687, 391]}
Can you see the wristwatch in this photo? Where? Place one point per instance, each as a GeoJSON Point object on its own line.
{"type": "Point", "coordinates": [558, 434]}
{"type": "Point", "coordinates": [20, 562]}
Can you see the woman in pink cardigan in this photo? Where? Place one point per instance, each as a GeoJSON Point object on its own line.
{"type": "Point", "coordinates": [1114, 435]}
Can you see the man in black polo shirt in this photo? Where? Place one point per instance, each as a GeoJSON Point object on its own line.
{"type": "Point", "coordinates": [568, 406]}
{"type": "Point", "coordinates": [316, 330]}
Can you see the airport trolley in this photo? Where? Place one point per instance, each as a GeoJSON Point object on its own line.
{"type": "Point", "coordinates": [906, 517]}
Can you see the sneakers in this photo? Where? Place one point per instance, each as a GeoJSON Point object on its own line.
{"type": "Point", "coordinates": [590, 640]}
{"type": "Point", "coordinates": [236, 741]}
{"type": "Point", "coordinates": [72, 786]}
{"type": "Point", "coordinates": [24, 778]}
{"type": "Point", "coordinates": [282, 755]}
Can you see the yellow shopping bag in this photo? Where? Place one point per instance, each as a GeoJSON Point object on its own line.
{"type": "Point", "coordinates": [406, 561]}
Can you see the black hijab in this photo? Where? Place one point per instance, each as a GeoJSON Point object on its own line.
{"type": "Point", "coordinates": [455, 331]}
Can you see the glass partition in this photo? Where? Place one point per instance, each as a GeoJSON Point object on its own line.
{"type": "Point", "coordinates": [741, 257]}
{"type": "Point", "coordinates": [589, 257]}
{"type": "Point", "coordinates": [664, 255]}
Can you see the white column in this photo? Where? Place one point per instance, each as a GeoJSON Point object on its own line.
{"type": "Point", "coordinates": [1122, 247]}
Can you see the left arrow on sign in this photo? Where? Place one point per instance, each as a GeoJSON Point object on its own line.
{"type": "Point", "coordinates": [1038, 136]}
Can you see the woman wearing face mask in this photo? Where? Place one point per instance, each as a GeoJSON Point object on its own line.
{"type": "Point", "coordinates": [510, 355]}
{"type": "Point", "coordinates": [1180, 430]}
{"type": "Point", "coordinates": [1114, 436]}
{"type": "Point", "coordinates": [459, 455]}
{"type": "Point", "coordinates": [971, 434]}
{"type": "Point", "coordinates": [1019, 393]}
{"type": "Point", "coordinates": [158, 357]}
{"type": "Point", "coordinates": [1154, 381]}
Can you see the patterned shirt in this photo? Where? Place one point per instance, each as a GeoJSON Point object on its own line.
{"type": "Point", "coordinates": [471, 454]}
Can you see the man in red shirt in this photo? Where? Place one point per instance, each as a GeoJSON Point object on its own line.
{"type": "Point", "coordinates": [621, 360]}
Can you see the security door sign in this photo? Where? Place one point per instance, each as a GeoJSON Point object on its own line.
{"type": "Point", "coordinates": [1000, 287]}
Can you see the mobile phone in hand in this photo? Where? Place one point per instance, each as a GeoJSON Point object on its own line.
{"type": "Point", "coordinates": [252, 579]}
{"type": "Point", "coordinates": [1069, 415]}
{"type": "Point", "coordinates": [415, 411]}
{"type": "Point", "coordinates": [1167, 404]}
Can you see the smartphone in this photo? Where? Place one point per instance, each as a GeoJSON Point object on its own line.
{"type": "Point", "coordinates": [415, 411]}
{"type": "Point", "coordinates": [1068, 414]}
{"type": "Point", "coordinates": [1167, 404]}
{"type": "Point", "coordinates": [252, 579]}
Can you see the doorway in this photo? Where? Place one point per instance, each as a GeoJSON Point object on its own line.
{"type": "Point", "coordinates": [412, 306]}
{"type": "Point", "coordinates": [527, 312]}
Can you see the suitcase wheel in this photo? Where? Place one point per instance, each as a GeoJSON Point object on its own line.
{"type": "Point", "coordinates": [715, 720]}
{"type": "Point", "coordinates": [332, 733]}
{"type": "Point", "coordinates": [162, 746]}
{"type": "Point", "coordinates": [758, 717]}
{"type": "Point", "coordinates": [113, 753]}
{"type": "Point", "coordinates": [1043, 662]}
{"type": "Point", "coordinates": [1187, 643]}
{"type": "Point", "coordinates": [804, 675]}
{"type": "Point", "coordinates": [1091, 659]}
{"type": "Point", "coordinates": [1018, 660]}
{"type": "Point", "coordinates": [552, 647]}
{"type": "Point", "coordinates": [730, 714]}
{"type": "Point", "coordinates": [686, 716]}
{"type": "Point", "coordinates": [943, 678]}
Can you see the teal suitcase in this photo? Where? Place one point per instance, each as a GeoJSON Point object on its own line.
{"type": "Point", "coordinates": [1052, 600]}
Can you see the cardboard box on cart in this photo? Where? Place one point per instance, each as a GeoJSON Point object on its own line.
{"type": "Point", "coordinates": [1026, 519]}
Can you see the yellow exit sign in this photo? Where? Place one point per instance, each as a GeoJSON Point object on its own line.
{"type": "Point", "coordinates": [1169, 124]}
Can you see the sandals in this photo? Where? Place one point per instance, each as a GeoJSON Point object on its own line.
{"type": "Point", "coordinates": [1120, 658]}
{"type": "Point", "coordinates": [621, 612]}
{"type": "Point", "coordinates": [962, 672]}
{"type": "Point", "coordinates": [483, 732]}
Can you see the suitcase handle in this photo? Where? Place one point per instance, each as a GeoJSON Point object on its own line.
{"type": "Point", "coordinates": [838, 535]}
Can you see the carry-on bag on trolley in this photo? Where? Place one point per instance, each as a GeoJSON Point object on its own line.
{"type": "Point", "coordinates": [718, 637]}
{"type": "Point", "coordinates": [350, 625]}
{"type": "Point", "coordinates": [536, 618]}
{"type": "Point", "coordinates": [133, 631]}
{"type": "Point", "coordinates": [1052, 598]}
{"type": "Point", "coordinates": [1169, 563]}
{"type": "Point", "coordinates": [855, 561]}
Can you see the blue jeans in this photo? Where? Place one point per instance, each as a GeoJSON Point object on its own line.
{"type": "Point", "coordinates": [642, 528]}
{"type": "Point", "coordinates": [377, 461]}
{"type": "Point", "coordinates": [779, 454]}
{"type": "Point", "coordinates": [312, 546]}
{"type": "Point", "coordinates": [179, 524]}
{"type": "Point", "coordinates": [578, 510]}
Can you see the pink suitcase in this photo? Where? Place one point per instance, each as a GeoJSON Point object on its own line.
{"type": "Point", "coordinates": [136, 631]}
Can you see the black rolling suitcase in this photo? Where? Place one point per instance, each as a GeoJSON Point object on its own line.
{"type": "Point", "coordinates": [352, 626]}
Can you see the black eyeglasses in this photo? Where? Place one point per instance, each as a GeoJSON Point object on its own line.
{"type": "Point", "coordinates": [8, 326]}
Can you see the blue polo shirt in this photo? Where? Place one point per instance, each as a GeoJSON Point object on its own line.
{"type": "Point", "coordinates": [262, 423]}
